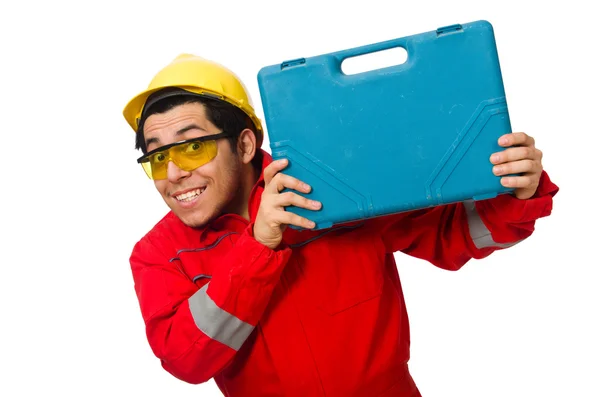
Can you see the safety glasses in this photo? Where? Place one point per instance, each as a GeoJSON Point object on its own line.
{"type": "Point", "coordinates": [187, 155]}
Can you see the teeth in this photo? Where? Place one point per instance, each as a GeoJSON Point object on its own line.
{"type": "Point", "coordinates": [189, 196]}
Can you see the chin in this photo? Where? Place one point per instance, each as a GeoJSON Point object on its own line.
{"type": "Point", "coordinates": [193, 220]}
{"type": "Point", "coordinates": [198, 216]}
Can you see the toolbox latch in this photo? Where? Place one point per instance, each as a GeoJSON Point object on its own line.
{"type": "Point", "coordinates": [293, 62]}
{"type": "Point", "coordinates": [449, 29]}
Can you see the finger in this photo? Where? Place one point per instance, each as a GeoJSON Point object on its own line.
{"type": "Point", "coordinates": [517, 167]}
{"type": "Point", "coordinates": [516, 139]}
{"type": "Point", "coordinates": [519, 182]}
{"type": "Point", "coordinates": [272, 169]}
{"type": "Point", "coordinates": [290, 198]}
{"type": "Point", "coordinates": [289, 218]}
{"type": "Point", "coordinates": [282, 181]}
{"type": "Point", "coordinates": [515, 154]}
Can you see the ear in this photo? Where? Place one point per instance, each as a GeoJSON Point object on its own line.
{"type": "Point", "coordinates": [247, 145]}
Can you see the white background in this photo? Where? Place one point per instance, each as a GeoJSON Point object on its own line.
{"type": "Point", "coordinates": [523, 322]}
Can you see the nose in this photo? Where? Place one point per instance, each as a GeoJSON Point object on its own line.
{"type": "Point", "coordinates": [176, 174]}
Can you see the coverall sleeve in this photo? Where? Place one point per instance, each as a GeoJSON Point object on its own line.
{"type": "Point", "coordinates": [449, 236]}
{"type": "Point", "coordinates": [196, 331]}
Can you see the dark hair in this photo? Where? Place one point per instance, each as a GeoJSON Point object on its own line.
{"type": "Point", "coordinates": [225, 116]}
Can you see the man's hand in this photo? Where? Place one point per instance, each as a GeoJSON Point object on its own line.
{"type": "Point", "coordinates": [523, 158]}
{"type": "Point", "coordinates": [272, 219]}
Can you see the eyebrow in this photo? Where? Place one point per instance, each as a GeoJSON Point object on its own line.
{"type": "Point", "coordinates": [178, 133]}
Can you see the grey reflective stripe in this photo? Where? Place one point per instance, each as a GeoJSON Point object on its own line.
{"type": "Point", "coordinates": [216, 323]}
{"type": "Point", "coordinates": [480, 234]}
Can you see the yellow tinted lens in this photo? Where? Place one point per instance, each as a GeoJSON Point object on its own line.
{"type": "Point", "coordinates": [158, 164]}
{"type": "Point", "coordinates": [146, 166]}
{"type": "Point", "coordinates": [187, 156]}
{"type": "Point", "coordinates": [190, 156]}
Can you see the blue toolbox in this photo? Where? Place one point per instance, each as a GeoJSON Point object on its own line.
{"type": "Point", "coordinates": [399, 138]}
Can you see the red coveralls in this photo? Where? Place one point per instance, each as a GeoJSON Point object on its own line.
{"type": "Point", "coordinates": [323, 314]}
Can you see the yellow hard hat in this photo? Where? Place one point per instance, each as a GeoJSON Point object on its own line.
{"type": "Point", "coordinates": [200, 76]}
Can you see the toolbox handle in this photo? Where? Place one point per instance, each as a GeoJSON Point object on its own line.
{"type": "Point", "coordinates": [340, 56]}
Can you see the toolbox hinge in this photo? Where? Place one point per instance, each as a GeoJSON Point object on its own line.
{"type": "Point", "coordinates": [449, 29]}
{"type": "Point", "coordinates": [293, 62]}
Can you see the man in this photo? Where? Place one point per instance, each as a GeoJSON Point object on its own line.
{"type": "Point", "coordinates": [228, 292]}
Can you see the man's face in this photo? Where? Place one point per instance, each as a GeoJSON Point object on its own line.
{"type": "Point", "coordinates": [197, 196]}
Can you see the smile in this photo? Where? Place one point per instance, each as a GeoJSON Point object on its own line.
{"type": "Point", "coordinates": [190, 196]}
